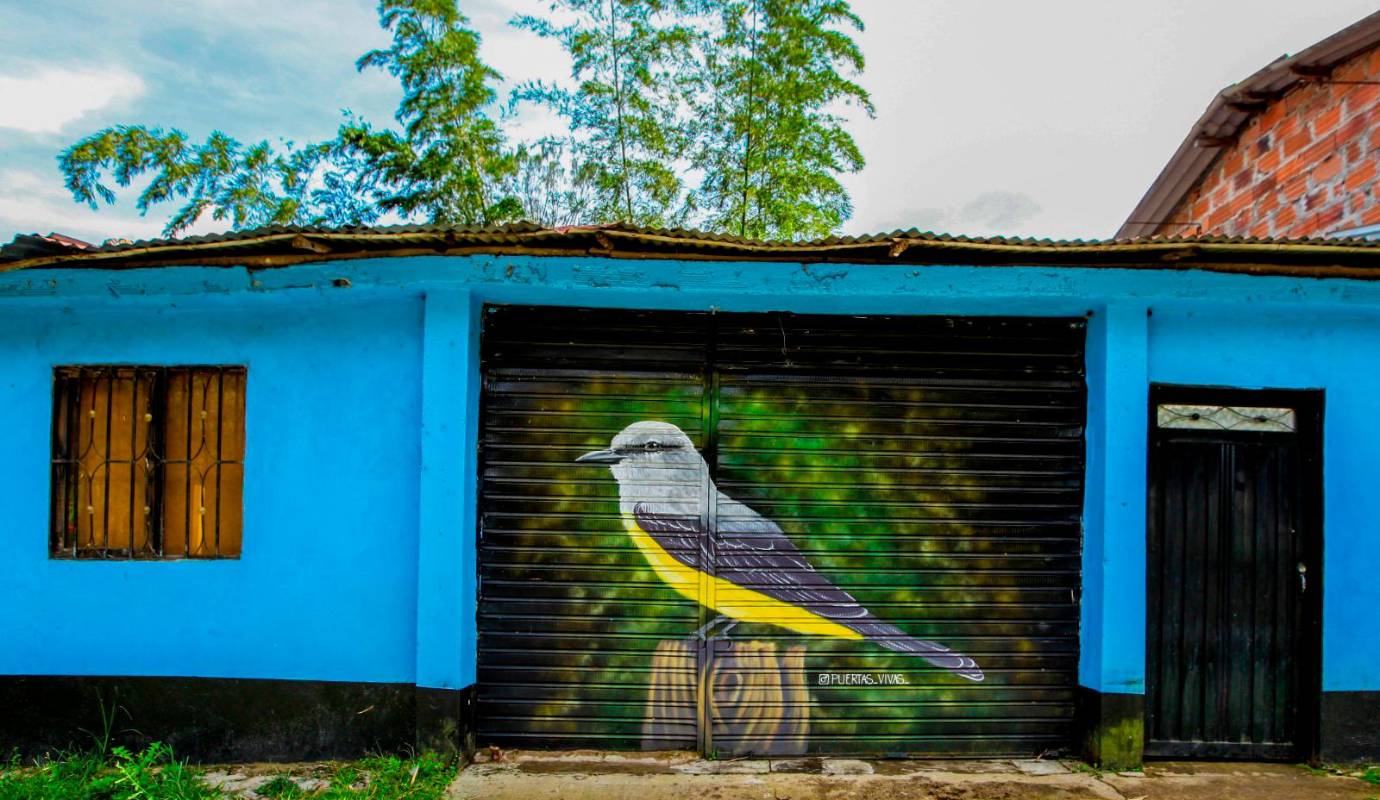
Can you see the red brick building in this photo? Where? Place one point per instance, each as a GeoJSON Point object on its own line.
{"type": "Point", "coordinates": [1292, 151]}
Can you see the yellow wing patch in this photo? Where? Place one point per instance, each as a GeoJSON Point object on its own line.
{"type": "Point", "coordinates": [729, 598]}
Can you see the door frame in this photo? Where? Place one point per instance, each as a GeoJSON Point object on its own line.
{"type": "Point", "coordinates": [1308, 405]}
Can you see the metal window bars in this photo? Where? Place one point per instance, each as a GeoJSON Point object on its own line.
{"type": "Point", "coordinates": [1226, 418]}
{"type": "Point", "coordinates": [147, 462]}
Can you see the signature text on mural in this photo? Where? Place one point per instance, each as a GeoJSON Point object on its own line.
{"type": "Point", "coordinates": [862, 679]}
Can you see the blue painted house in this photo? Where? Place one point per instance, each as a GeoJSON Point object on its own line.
{"type": "Point", "coordinates": [290, 493]}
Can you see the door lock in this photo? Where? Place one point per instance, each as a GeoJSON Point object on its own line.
{"type": "Point", "coordinates": [1303, 577]}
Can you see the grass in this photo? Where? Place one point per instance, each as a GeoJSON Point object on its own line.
{"type": "Point", "coordinates": [156, 774]}
{"type": "Point", "coordinates": [1369, 774]}
{"type": "Point", "coordinates": [1083, 767]}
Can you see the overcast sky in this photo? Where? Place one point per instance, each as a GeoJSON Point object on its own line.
{"type": "Point", "coordinates": [1016, 117]}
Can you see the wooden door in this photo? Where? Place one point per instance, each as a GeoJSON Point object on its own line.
{"type": "Point", "coordinates": [1234, 574]}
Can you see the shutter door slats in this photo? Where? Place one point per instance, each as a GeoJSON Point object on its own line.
{"type": "Point", "coordinates": [880, 446]}
{"type": "Point", "coordinates": [571, 617]}
{"type": "Point", "coordinates": [931, 467]}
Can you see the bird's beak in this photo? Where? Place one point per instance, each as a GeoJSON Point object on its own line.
{"type": "Point", "coordinates": [600, 457]}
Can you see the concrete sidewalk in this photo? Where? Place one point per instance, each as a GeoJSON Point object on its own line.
{"type": "Point", "coordinates": [586, 775]}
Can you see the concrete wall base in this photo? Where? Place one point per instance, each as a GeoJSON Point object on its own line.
{"type": "Point", "coordinates": [1111, 729]}
{"type": "Point", "coordinates": [232, 720]}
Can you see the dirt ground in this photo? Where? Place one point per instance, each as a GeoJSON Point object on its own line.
{"type": "Point", "coordinates": [610, 776]}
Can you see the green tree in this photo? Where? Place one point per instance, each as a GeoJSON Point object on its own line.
{"type": "Point", "coordinates": [628, 59]}
{"type": "Point", "coordinates": [545, 180]}
{"type": "Point", "coordinates": [740, 98]}
{"type": "Point", "coordinates": [769, 141]}
{"type": "Point", "coordinates": [449, 163]}
{"type": "Point", "coordinates": [248, 185]}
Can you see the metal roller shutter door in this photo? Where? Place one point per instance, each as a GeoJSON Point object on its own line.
{"type": "Point", "coordinates": [930, 468]}
{"type": "Point", "coordinates": [570, 616]}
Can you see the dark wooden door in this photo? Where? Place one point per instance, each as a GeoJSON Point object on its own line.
{"type": "Point", "coordinates": [1234, 574]}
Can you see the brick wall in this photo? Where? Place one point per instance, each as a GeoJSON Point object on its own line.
{"type": "Point", "coordinates": [1305, 166]}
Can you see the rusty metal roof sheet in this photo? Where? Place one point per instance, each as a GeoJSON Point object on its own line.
{"type": "Point", "coordinates": [32, 245]}
{"type": "Point", "coordinates": [1231, 110]}
{"type": "Point", "coordinates": [263, 248]}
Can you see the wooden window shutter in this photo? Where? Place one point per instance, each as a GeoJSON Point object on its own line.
{"type": "Point", "coordinates": [148, 462]}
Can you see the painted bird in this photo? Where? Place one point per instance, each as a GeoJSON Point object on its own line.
{"type": "Point", "coordinates": [661, 481]}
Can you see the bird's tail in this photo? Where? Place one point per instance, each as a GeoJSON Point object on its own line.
{"type": "Point", "coordinates": [893, 638]}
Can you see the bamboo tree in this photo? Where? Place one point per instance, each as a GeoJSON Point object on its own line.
{"type": "Point", "coordinates": [448, 164]}
{"type": "Point", "coordinates": [450, 160]}
{"type": "Point", "coordinates": [769, 139]}
{"type": "Point", "coordinates": [740, 97]}
{"type": "Point", "coordinates": [626, 133]}
{"type": "Point", "coordinates": [545, 180]}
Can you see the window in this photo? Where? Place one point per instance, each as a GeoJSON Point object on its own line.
{"type": "Point", "coordinates": [148, 462]}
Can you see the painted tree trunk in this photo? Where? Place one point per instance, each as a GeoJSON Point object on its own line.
{"type": "Point", "coordinates": [756, 692]}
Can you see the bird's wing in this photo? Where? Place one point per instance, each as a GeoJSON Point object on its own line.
{"type": "Point", "coordinates": [682, 537]}
{"type": "Point", "coordinates": [751, 551]}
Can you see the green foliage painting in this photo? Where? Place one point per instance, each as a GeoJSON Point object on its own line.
{"type": "Point", "coordinates": [944, 505]}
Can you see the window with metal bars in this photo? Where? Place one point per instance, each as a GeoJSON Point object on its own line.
{"type": "Point", "coordinates": [148, 462]}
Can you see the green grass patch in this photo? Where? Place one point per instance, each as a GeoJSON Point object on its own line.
{"type": "Point", "coordinates": [420, 778]}
{"type": "Point", "coordinates": [1371, 775]}
{"type": "Point", "coordinates": [152, 774]}
{"type": "Point", "coordinates": [155, 774]}
{"type": "Point", "coordinates": [281, 787]}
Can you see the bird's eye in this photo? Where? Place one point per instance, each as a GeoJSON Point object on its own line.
{"type": "Point", "coordinates": [653, 445]}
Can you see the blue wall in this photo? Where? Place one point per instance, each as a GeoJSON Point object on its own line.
{"type": "Point", "coordinates": [1112, 641]}
{"type": "Point", "coordinates": [359, 501]}
{"type": "Point", "coordinates": [327, 584]}
{"type": "Point", "coordinates": [1340, 353]}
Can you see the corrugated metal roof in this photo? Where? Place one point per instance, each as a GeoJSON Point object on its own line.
{"type": "Point", "coordinates": [1229, 112]}
{"type": "Point", "coordinates": [31, 245]}
{"type": "Point", "coordinates": [263, 248]}
{"type": "Point", "coordinates": [521, 232]}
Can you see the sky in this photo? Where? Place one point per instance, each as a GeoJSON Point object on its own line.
{"type": "Point", "coordinates": [993, 117]}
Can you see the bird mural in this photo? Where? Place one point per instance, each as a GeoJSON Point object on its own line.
{"type": "Point", "coordinates": [761, 575]}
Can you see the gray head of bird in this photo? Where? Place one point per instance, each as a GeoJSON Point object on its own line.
{"type": "Point", "coordinates": [649, 454]}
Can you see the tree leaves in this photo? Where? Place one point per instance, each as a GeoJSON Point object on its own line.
{"type": "Point", "coordinates": [770, 142]}
{"type": "Point", "coordinates": [447, 165]}
{"type": "Point", "coordinates": [247, 185]}
{"type": "Point", "coordinates": [450, 161]}
{"type": "Point", "coordinates": [743, 95]}
{"type": "Point", "coordinates": [719, 113]}
{"type": "Point", "coordinates": [625, 133]}
{"type": "Point", "coordinates": [545, 180]}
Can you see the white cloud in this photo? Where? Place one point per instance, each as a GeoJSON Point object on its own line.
{"type": "Point", "coordinates": [1076, 104]}
{"type": "Point", "coordinates": [989, 214]}
{"type": "Point", "coordinates": [999, 210]}
{"type": "Point", "coordinates": [46, 99]}
{"type": "Point", "coordinates": [31, 202]}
